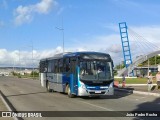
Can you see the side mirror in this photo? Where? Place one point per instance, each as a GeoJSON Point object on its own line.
{"type": "Point", "coordinates": [112, 64]}
{"type": "Point", "coordinates": [45, 70]}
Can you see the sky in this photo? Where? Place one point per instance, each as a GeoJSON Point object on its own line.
{"type": "Point", "coordinates": [88, 25]}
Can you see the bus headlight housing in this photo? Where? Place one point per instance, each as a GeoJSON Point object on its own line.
{"type": "Point", "coordinates": [111, 85]}
{"type": "Point", "coordinates": [83, 86]}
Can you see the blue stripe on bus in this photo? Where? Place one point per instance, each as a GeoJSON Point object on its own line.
{"type": "Point", "coordinates": [65, 80]}
{"type": "Point", "coordinates": [78, 77]}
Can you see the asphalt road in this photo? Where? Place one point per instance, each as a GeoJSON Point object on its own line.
{"type": "Point", "coordinates": [28, 95]}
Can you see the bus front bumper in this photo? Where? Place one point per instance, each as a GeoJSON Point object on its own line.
{"type": "Point", "coordinates": [85, 92]}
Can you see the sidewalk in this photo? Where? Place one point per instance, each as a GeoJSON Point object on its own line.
{"type": "Point", "coordinates": [139, 89]}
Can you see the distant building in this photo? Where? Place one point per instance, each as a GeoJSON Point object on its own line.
{"type": "Point", "coordinates": [6, 71]}
{"type": "Point", "coordinates": [138, 71]}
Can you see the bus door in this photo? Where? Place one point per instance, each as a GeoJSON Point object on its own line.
{"type": "Point", "coordinates": [43, 73]}
{"type": "Point", "coordinates": [73, 76]}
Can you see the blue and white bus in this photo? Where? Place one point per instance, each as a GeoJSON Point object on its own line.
{"type": "Point", "coordinates": [78, 74]}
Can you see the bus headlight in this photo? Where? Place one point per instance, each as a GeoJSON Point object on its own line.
{"type": "Point", "coordinates": [83, 86]}
{"type": "Point", "coordinates": [111, 85]}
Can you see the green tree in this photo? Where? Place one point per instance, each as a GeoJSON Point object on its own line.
{"type": "Point", "coordinates": [34, 73]}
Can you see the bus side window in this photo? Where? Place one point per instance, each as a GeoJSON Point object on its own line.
{"type": "Point", "coordinates": [40, 67]}
{"type": "Point", "coordinates": [56, 66]}
{"type": "Point", "coordinates": [73, 65]}
{"type": "Point", "coordinates": [46, 66]}
{"type": "Point", "coordinates": [67, 64]}
{"type": "Point", "coordinates": [60, 65]}
{"type": "Point", "coordinates": [50, 65]}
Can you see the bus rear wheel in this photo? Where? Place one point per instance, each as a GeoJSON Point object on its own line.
{"type": "Point", "coordinates": [69, 92]}
{"type": "Point", "coordinates": [48, 87]}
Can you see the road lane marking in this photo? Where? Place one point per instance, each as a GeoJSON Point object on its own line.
{"type": "Point", "coordinates": [102, 107]}
{"type": "Point", "coordinates": [140, 98]}
{"type": "Point", "coordinates": [134, 98]}
{"type": "Point", "coordinates": [96, 106]}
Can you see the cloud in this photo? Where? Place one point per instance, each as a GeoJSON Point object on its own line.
{"type": "Point", "coordinates": [25, 14]}
{"type": "Point", "coordinates": [115, 48]}
{"type": "Point", "coordinates": [143, 40]}
{"type": "Point", "coordinates": [99, 43]}
{"type": "Point", "coordinates": [148, 32]}
{"type": "Point", "coordinates": [44, 6]}
{"type": "Point", "coordinates": [7, 57]}
{"type": "Point", "coordinates": [24, 58]}
{"type": "Point", "coordinates": [110, 44]}
{"type": "Point", "coordinates": [107, 43]}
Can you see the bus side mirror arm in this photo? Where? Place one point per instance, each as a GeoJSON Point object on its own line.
{"type": "Point", "coordinates": [112, 64]}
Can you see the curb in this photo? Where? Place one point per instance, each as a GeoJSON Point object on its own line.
{"type": "Point", "coordinates": [4, 101]}
{"type": "Point", "coordinates": [8, 105]}
{"type": "Point", "coordinates": [29, 79]}
{"type": "Point", "coordinates": [135, 84]}
{"type": "Point", "coordinates": [138, 92]}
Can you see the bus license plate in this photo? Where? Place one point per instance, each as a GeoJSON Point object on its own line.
{"type": "Point", "coordinates": [97, 91]}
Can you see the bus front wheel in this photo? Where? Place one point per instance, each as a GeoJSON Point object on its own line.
{"type": "Point", "coordinates": [69, 92]}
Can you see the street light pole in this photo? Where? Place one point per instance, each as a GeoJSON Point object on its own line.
{"type": "Point", "coordinates": [30, 46]}
{"type": "Point", "coordinates": [32, 61]}
{"type": "Point", "coordinates": [62, 36]}
{"type": "Point", "coordinates": [62, 29]}
{"type": "Point", "coordinates": [63, 39]}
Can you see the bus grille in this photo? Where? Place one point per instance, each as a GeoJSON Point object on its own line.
{"type": "Point", "coordinates": [97, 93]}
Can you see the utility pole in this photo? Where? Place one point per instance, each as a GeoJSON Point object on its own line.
{"type": "Point", "coordinates": [32, 60]}
{"type": "Point", "coordinates": [155, 63]}
{"type": "Point", "coordinates": [155, 60]}
{"type": "Point", "coordinates": [13, 65]}
{"type": "Point", "coordinates": [19, 63]}
{"type": "Point", "coordinates": [148, 66]}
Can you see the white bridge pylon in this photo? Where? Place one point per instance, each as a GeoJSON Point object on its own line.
{"type": "Point", "coordinates": [137, 61]}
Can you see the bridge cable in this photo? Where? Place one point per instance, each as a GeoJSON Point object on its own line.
{"type": "Point", "coordinates": [148, 43]}
{"type": "Point", "coordinates": [138, 44]}
{"type": "Point", "coordinates": [142, 42]}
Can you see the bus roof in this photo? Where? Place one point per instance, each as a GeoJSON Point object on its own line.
{"type": "Point", "coordinates": [72, 54]}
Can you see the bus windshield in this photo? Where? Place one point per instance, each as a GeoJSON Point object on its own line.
{"type": "Point", "coordinates": [96, 70]}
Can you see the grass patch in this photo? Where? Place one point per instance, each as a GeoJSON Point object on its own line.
{"type": "Point", "coordinates": [30, 77]}
{"type": "Point", "coordinates": [134, 80]}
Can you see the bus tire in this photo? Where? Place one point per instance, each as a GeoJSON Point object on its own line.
{"type": "Point", "coordinates": [47, 87]}
{"type": "Point", "coordinates": [69, 92]}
